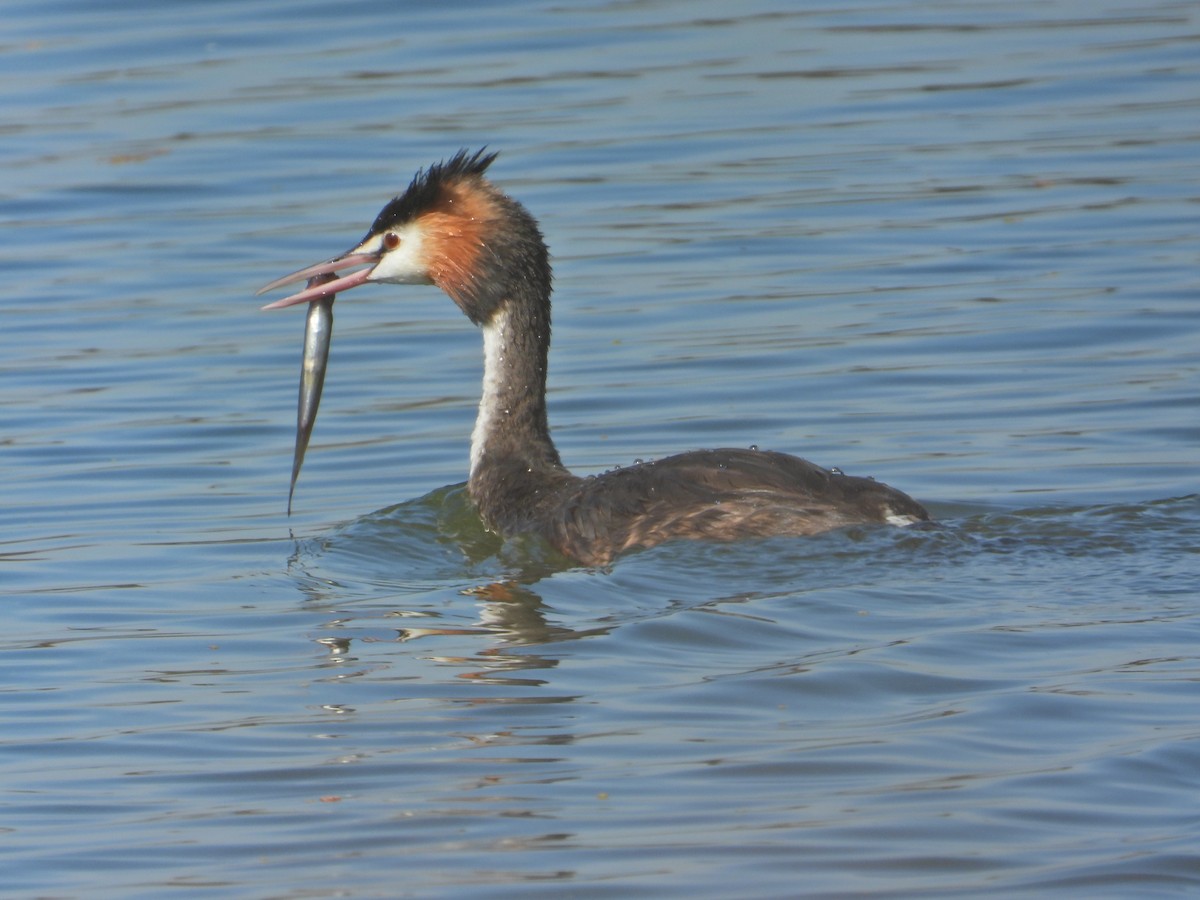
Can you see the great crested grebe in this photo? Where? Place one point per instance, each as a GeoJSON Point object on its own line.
{"type": "Point", "coordinates": [455, 229]}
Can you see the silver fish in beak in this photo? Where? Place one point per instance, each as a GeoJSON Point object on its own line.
{"type": "Point", "coordinates": [318, 333]}
{"type": "Point", "coordinates": [393, 252]}
{"type": "Point", "coordinates": [320, 292]}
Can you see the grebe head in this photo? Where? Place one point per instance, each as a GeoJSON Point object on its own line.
{"type": "Point", "coordinates": [452, 228]}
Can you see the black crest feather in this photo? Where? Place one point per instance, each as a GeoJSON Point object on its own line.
{"type": "Point", "coordinates": [427, 187]}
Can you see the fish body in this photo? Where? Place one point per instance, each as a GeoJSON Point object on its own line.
{"type": "Point", "coordinates": [318, 333]}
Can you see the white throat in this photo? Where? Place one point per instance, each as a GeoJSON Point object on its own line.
{"type": "Point", "coordinates": [494, 338]}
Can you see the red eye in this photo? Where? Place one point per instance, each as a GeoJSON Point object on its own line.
{"type": "Point", "coordinates": [391, 240]}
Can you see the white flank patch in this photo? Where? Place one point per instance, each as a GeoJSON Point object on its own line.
{"type": "Point", "coordinates": [900, 520]}
{"type": "Point", "coordinates": [493, 381]}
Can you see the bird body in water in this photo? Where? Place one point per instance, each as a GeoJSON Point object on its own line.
{"type": "Point", "coordinates": [453, 228]}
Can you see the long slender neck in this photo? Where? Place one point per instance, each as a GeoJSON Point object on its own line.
{"type": "Point", "coordinates": [514, 464]}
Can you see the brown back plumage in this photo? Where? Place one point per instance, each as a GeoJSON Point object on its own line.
{"type": "Point", "coordinates": [720, 495]}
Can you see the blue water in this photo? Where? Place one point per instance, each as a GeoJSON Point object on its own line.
{"type": "Point", "coordinates": [952, 246]}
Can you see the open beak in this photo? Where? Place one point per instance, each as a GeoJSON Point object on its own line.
{"type": "Point", "coordinates": [324, 288]}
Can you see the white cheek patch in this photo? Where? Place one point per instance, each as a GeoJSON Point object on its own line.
{"type": "Point", "coordinates": [403, 265]}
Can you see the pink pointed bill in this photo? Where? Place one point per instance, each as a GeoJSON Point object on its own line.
{"type": "Point", "coordinates": [328, 288]}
